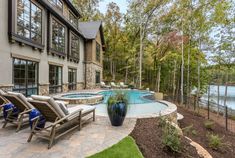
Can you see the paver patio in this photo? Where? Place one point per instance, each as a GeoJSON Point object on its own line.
{"type": "Point", "coordinates": [94, 137]}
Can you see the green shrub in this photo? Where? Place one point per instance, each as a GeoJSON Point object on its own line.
{"type": "Point", "coordinates": [215, 142]}
{"type": "Point", "coordinates": [194, 132]}
{"type": "Point", "coordinates": [171, 138]}
{"type": "Point", "coordinates": [187, 130]}
{"type": "Point", "coordinates": [209, 124]}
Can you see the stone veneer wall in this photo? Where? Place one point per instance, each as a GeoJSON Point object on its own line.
{"type": "Point", "coordinates": [91, 69]}
{"type": "Point", "coordinates": [65, 87]}
{"type": "Point", "coordinates": [44, 89]}
{"type": "Point", "coordinates": [80, 85]}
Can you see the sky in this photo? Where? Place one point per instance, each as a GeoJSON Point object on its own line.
{"type": "Point", "coordinates": [121, 3]}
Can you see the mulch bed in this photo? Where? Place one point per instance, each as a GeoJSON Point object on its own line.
{"type": "Point", "coordinates": [191, 118]}
{"type": "Point", "coordinates": [148, 136]}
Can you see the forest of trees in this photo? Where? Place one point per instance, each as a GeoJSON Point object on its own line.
{"type": "Point", "coordinates": [171, 46]}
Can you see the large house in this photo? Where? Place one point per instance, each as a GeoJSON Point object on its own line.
{"type": "Point", "coordinates": [45, 49]}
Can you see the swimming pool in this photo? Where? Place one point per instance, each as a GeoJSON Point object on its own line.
{"type": "Point", "coordinates": [139, 105]}
{"type": "Point", "coordinates": [133, 96]}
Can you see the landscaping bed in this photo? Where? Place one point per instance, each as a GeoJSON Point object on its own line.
{"type": "Point", "coordinates": [148, 135]}
{"type": "Point", "coordinates": [202, 130]}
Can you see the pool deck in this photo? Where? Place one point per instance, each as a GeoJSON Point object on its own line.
{"type": "Point", "coordinates": [94, 137]}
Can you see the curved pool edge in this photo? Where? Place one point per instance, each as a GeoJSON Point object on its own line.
{"type": "Point", "coordinates": [170, 112]}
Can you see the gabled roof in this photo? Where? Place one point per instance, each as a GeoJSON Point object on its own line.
{"type": "Point", "coordinates": [90, 29]}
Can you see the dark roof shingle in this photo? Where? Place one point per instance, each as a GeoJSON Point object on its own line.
{"type": "Point", "coordinates": [90, 29]}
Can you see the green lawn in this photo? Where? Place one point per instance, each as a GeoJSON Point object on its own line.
{"type": "Point", "coordinates": [126, 148]}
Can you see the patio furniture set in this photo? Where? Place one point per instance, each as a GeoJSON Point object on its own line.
{"type": "Point", "coordinates": [59, 120]}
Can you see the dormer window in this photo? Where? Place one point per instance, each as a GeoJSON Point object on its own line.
{"type": "Point", "coordinates": [73, 20]}
{"type": "Point", "coordinates": [57, 3]}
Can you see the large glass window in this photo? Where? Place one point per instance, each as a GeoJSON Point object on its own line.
{"type": "Point", "coordinates": [29, 21]}
{"type": "Point", "coordinates": [55, 79]}
{"type": "Point", "coordinates": [58, 36]}
{"type": "Point", "coordinates": [97, 52]}
{"type": "Point", "coordinates": [25, 76]}
{"type": "Point", "coordinates": [72, 79]}
{"type": "Point", "coordinates": [73, 19]}
{"type": "Point", "coordinates": [57, 3]}
{"type": "Point", "coordinates": [97, 77]}
{"type": "Point", "coordinates": [75, 46]}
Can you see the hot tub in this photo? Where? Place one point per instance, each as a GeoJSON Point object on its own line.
{"type": "Point", "coordinates": [80, 98]}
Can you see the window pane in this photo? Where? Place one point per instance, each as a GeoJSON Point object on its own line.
{"type": "Point", "coordinates": [58, 36]}
{"type": "Point", "coordinates": [25, 76]}
{"type": "Point", "coordinates": [97, 52]}
{"type": "Point", "coordinates": [72, 79]}
{"type": "Point", "coordinates": [27, 27]}
{"type": "Point", "coordinates": [55, 79]}
{"type": "Point", "coordinates": [73, 20]}
{"type": "Point", "coordinates": [97, 77]}
{"type": "Point", "coordinates": [75, 46]}
{"type": "Point", "coordinates": [57, 3]}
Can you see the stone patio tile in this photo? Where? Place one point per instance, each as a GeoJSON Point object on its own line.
{"type": "Point", "coordinates": [94, 137]}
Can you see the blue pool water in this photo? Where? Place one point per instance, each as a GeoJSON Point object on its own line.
{"type": "Point", "coordinates": [78, 95]}
{"type": "Point", "coordinates": [138, 105]}
{"type": "Point", "coordinates": [133, 96]}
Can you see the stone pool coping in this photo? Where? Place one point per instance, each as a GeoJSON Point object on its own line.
{"type": "Point", "coordinates": [95, 98]}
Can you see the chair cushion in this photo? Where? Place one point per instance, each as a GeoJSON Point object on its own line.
{"type": "Point", "coordinates": [52, 102]}
{"type": "Point", "coordinates": [85, 108]}
{"type": "Point", "coordinates": [63, 107]}
{"type": "Point", "coordinates": [22, 98]}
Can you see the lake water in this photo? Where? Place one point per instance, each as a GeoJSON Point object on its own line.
{"type": "Point", "coordinates": [214, 95]}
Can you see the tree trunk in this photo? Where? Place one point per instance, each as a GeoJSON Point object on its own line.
{"type": "Point", "coordinates": [182, 67]}
{"type": "Point", "coordinates": [218, 98]}
{"type": "Point", "coordinates": [126, 74]}
{"type": "Point", "coordinates": [226, 90]}
{"type": "Point", "coordinates": [158, 78]}
{"type": "Point", "coordinates": [199, 82]}
{"type": "Point", "coordinates": [174, 76]}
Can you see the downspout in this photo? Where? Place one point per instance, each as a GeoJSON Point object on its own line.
{"type": "Point", "coordinates": [85, 63]}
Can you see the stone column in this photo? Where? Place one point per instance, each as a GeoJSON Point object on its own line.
{"type": "Point", "coordinates": [44, 89]}
{"type": "Point", "coordinates": [65, 87]}
{"type": "Point", "coordinates": [80, 85]}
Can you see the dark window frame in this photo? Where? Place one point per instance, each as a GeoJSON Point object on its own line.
{"type": "Point", "coordinates": [72, 85]}
{"type": "Point", "coordinates": [30, 24]}
{"type": "Point", "coordinates": [55, 88]}
{"type": "Point", "coordinates": [26, 89]}
{"type": "Point", "coordinates": [55, 50]}
{"type": "Point", "coordinates": [98, 52]}
{"type": "Point", "coordinates": [56, 4]}
{"type": "Point", "coordinates": [97, 78]}
{"type": "Point", "coordinates": [74, 23]}
{"type": "Point", "coordinates": [74, 54]}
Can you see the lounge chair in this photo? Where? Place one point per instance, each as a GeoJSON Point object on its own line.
{"type": "Point", "coordinates": [61, 119]}
{"type": "Point", "coordinates": [122, 85]}
{"type": "Point", "coordinates": [3, 101]}
{"type": "Point", "coordinates": [23, 106]}
{"type": "Point", "coordinates": [113, 85]}
{"type": "Point", "coordinates": [103, 85]}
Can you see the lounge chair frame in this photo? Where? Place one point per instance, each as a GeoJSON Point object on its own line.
{"type": "Point", "coordinates": [54, 131]}
{"type": "Point", "coordinates": [23, 112]}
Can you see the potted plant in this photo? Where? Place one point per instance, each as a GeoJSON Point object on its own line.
{"type": "Point", "coordinates": [117, 108]}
